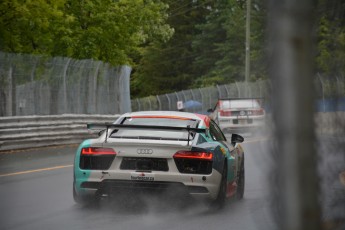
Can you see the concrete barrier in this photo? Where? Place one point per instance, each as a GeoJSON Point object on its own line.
{"type": "Point", "coordinates": [23, 132]}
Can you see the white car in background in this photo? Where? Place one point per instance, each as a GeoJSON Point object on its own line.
{"type": "Point", "coordinates": [239, 114]}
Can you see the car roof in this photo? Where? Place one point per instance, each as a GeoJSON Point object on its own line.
{"type": "Point", "coordinates": [205, 120]}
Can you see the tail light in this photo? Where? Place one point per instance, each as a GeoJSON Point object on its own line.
{"type": "Point", "coordinates": [224, 113]}
{"type": "Point", "coordinates": [97, 151]}
{"type": "Point", "coordinates": [95, 158]}
{"type": "Point", "coordinates": [196, 162]}
{"type": "Point", "coordinates": [257, 112]}
{"type": "Point", "coordinates": [194, 155]}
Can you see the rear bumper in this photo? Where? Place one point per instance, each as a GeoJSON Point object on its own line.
{"type": "Point", "coordinates": [113, 187]}
{"type": "Point", "coordinates": [181, 185]}
{"type": "Point", "coordinates": [241, 125]}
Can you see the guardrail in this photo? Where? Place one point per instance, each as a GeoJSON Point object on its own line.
{"type": "Point", "coordinates": [38, 131]}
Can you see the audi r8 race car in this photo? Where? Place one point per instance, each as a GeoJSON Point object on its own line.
{"type": "Point", "coordinates": [160, 151]}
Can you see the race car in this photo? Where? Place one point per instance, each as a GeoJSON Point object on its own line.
{"type": "Point", "coordinates": [157, 151]}
{"type": "Point", "coordinates": [239, 115]}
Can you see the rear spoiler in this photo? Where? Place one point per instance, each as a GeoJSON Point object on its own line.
{"type": "Point", "coordinates": [108, 126]}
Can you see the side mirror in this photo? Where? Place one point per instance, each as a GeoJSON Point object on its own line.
{"type": "Point", "coordinates": [235, 138]}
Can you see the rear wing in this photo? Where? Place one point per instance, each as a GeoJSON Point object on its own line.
{"type": "Point", "coordinates": [107, 126]}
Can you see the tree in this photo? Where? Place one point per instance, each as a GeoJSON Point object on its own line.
{"type": "Point", "coordinates": [106, 30]}
{"type": "Point", "coordinates": [25, 27]}
{"type": "Point", "coordinates": [167, 66]}
{"type": "Point", "coordinates": [112, 31]}
{"type": "Point", "coordinates": [222, 43]}
{"type": "Point", "coordinates": [330, 25]}
{"type": "Point", "coordinates": [212, 34]}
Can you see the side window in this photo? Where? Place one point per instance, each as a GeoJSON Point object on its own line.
{"type": "Point", "coordinates": [216, 132]}
{"type": "Point", "coordinates": [201, 140]}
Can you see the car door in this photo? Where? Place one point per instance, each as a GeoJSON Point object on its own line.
{"type": "Point", "coordinates": [232, 155]}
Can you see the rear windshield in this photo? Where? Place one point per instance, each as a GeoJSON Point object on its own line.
{"type": "Point", "coordinates": [155, 134]}
{"type": "Point", "coordinates": [239, 104]}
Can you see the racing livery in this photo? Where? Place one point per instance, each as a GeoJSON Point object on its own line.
{"type": "Point", "coordinates": [158, 151]}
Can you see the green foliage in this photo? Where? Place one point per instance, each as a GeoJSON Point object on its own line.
{"type": "Point", "coordinates": [106, 30]}
{"type": "Point", "coordinates": [207, 48]}
{"type": "Point", "coordinates": [330, 56]}
{"type": "Point", "coordinates": [167, 66]}
{"type": "Point", "coordinates": [25, 27]}
{"type": "Point", "coordinates": [111, 31]}
{"type": "Point", "coordinates": [227, 49]}
{"type": "Point", "coordinates": [208, 43]}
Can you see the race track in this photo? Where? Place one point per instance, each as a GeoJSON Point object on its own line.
{"type": "Point", "coordinates": [36, 193]}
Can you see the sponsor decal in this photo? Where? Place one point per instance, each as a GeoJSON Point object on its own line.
{"type": "Point", "coordinates": [223, 150]}
{"type": "Point", "coordinates": [142, 177]}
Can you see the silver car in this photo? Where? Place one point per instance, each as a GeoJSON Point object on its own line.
{"type": "Point", "coordinates": [239, 114]}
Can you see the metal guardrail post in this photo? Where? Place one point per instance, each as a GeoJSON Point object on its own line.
{"type": "Point", "coordinates": [238, 90]}
{"type": "Point", "coordinates": [323, 92]}
{"type": "Point", "coordinates": [159, 103]}
{"type": "Point", "coordinates": [138, 104]}
{"type": "Point", "coordinates": [219, 91]}
{"type": "Point", "coordinates": [10, 99]}
{"type": "Point", "coordinates": [202, 99]}
{"type": "Point", "coordinates": [64, 74]}
{"type": "Point", "coordinates": [227, 91]}
{"type": "Point", "coordinates": [169, 102]}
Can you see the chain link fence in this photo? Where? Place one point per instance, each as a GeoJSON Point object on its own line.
{"type": "Point", "coordinates": [202, 99]}
{"type": "Point", "coordinates": [37, 85]}
{"type": "Point", "coordinates": [330, 96]}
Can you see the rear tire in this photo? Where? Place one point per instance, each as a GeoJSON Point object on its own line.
{"type": "Point", "coordinates": [241, 182]}
{"type": "Point", "coordinates": [84, 200]}
{"type": "Point", "coordinates": [77, 198]}
{"type": "Point", "coordinates": [219, 202]}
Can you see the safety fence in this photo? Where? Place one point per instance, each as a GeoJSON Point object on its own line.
{"type": "Point", "coordinates": [38, 85]}
{"type": "Point", "coordinates": [330, 96]}
{"type": "Point", "coordinates": [202, 99]}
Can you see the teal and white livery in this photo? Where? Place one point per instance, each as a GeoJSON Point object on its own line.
{"type": "Point", "coordinates": [160, 151]}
